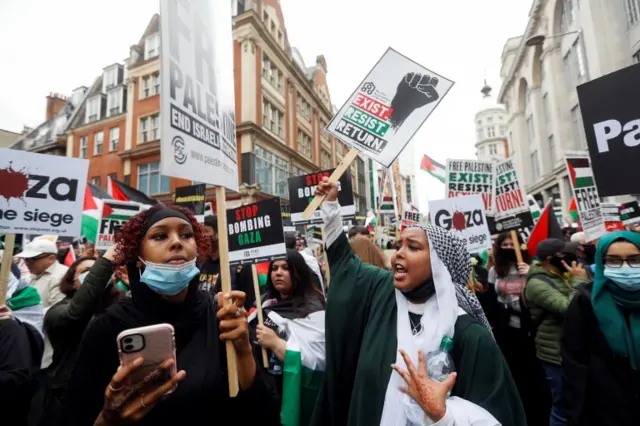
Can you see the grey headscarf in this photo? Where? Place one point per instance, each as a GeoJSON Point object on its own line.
{"type": "Point", "coordinates": [453, 253]}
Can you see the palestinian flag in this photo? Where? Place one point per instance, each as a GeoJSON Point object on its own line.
{"type": "Point", "coordinates": [123, 192]}
{"type": "Point", "coordinates": [573, 210]}
{"type": "Point", "coordinates": [580, 172]}
{"type": "Point", "coordinates": [118, 210]}
{"type": "Point", "coordinates": [70, 257]}
{"type": "Point", "coordinates": [387, 204]}
{"type": "Point", "coordinates": [90, 214]}
{"type": "Point", "coordinates": [547, 227]}
{"type": "Point", "coordinates": [263, 272]}
{"type": "Point", "coordinates": [432, 167]}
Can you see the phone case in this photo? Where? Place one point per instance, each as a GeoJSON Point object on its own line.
{"type": "Point", "coordinates": [158, 345]}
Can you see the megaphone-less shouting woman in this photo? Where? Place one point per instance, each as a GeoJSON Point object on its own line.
{"type": "Point", "coordinates": [383, 328]}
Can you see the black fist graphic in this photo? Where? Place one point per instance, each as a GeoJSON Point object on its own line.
{"type": "Point", "coordinates": [414, 91]}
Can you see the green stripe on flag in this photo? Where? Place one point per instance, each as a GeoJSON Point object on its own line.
{"type": "Point", "coordinates": [300, 389]}
{"type": "Point", "coordinates": [583, 182]}
{"type": "Point", "coordinates": [118, 217]}
{"type": "Point", "coordinates": [436, 175]}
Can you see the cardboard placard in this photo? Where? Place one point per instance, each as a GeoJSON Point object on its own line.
{"type": "Point", "coordinates": [464, 217]}
{"type": "Point", "coordinates": [114, 215]}
{"type": "Point", "coordinates": [193, 198]}
{"type": "Point", "coordinates": [630, 213]}
{"type": "Point", "coordinates": [302, 192]}
{"type": "Point", "coordinates": [469, 177]}
{"type": "Point", "coordinates": [511, 211]}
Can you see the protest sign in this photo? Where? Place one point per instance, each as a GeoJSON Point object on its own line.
{"type": "Point", "coordinates": [302, 190]}
{"type": "Point", "coordinates": [469, 177]}
{"type": "Point", "coordinates": [113, 216]}
{"type": "Point", "coordinates": [534, 208]}
{"type": "Point", "coordinates": [197, 97]}
{"type": "Point", "coordinates": [255, 233]}
{"type": "Point", "coordinates": [586, 195]}
{"type": "Point", "coordinates": [285, 209]}
{"type": "Point", "coordinates": [192, 197]}
{"type": "Point", "coordinates": [410, 219]}
{"type": "Point", "coordinates": [41, 194]}
{"type": "Point", "coordinates": [611, 120]}
{"type": "Point", "coordinates": [464, 217]}
{"type": "Point", "coordinates": [388, 107]}
{"type": "Point", "coordinates": [611, 216]}
{"type": "Point", "coordinates": [630, 213]}
{"type": "Point", "coordinates": [511, 205]}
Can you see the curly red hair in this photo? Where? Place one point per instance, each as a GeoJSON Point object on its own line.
{"type": "Point", "coordinates": [130, 236]}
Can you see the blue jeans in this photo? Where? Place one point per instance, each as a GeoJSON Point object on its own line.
{"type": "Point", "coordinates": [554, 374]}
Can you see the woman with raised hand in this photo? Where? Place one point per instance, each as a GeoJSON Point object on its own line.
{"type": "Point", "coordinates": [601, 340]}
{"type": "Point", "coordinates": [378, 321]}
{"type": "Point", "coordinates": [159, 248]}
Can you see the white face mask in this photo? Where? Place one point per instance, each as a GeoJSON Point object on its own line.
{"type": "Point", "coordinates": [82, 277]}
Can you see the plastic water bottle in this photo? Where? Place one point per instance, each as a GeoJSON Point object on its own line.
{"type": "Point", "coordinates": [439, 362]}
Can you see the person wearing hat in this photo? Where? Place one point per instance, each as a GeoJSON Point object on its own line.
{"type": "Point", "coordinates": [586, 252]}
{"type": "Point", "coordinates": [548, 291]}
{"type": "Point", "coordinates": [46, 271]}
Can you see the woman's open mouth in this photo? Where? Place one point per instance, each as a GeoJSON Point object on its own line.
{"type": "Point", "coordinates": [177, 260]}
{"type": "Point", "coordinates": [399, 272]}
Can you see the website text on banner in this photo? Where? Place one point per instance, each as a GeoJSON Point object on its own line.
{"type": "Point", "coordinates": [197, 96]}
{"type": "Point", "coordinates": [511, 205]}
{"type": "Point", "coordinates": [469, 177]}
{"type": "Point", "coordinates": [197, 105]}
{"type": "Point", "coordinates": [386, 110]}
{"type": "Point", "coordinates": [586, 194]}
{"type": "Point", "coordinates": [463, 216]}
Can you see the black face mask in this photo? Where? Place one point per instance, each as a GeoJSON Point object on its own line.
{"type": "Point", "coordinates": [589, 253]}
{"type": "Point", "coordinates": [557, 262]}
{"type": "Point", "coordinates": [509, 254]}
{"type": "Point", "coordinates": [421, 293]}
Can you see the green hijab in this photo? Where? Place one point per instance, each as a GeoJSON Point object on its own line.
{"type": "Point", "coordinates": [610, 303]}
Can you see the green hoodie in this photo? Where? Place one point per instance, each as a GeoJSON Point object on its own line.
{"type": "Point", "coordinates": [548, 305]}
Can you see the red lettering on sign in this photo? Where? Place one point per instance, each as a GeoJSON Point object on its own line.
{"type": "Point", "coordinates": [373, 107]}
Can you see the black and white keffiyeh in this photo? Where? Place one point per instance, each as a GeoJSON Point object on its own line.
{"type": "Point", "coordinates": [453, 253]}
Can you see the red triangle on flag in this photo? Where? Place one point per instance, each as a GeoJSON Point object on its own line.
{"type": "Point", "coordinates": [426, 164]}
{"type": "Point", "coordinates": [70, 257]}
{"type": "Point", "coordinates": [572, 173]}
{"type": "Point", "coordinates": [89, 202]}
{"type": "Point", "coordinates": [106, 210]}
{"type": "Point", "coordinates": [116, 192]}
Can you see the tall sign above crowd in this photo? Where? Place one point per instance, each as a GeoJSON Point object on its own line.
{"type": "Point", "coordinates": [197, 97]}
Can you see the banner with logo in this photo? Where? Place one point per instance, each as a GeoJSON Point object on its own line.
{"type": "Point", "coordinates": [611, 119]}
{"type": "Point", "coordinates": [41, 194]}
{"type": "Point", "coordinates": [197, 99]}
{"type": "Point", "coordinates": [469, 177]}
{"type": "Point", "coordinates": [192, 197]}
{"type": "Point", "coordinates": [302, 190]}
{"type": "Point", "coordinates": [511, 204]}
{"type": "Point", "coordinates": [630, 213]}
{"type": "Point", "coordinates": [611, 216]}
{"type": "Point", "coordinates": [388, 107]}
{"type": "Point", "coordinates": [114, 215]}
{"type": "Point", "coordinates": [255, 233]}
{"type": "Point", "coordinates": [285, 209]}
{"type": "Point", "coordinates": [534, 208]}
{"type": "Point", "coordinates": [410, 219]}
{"type": "Point", "coordinates": [586, 194]}
{"type": "Point", "coordinates": [464, 217]}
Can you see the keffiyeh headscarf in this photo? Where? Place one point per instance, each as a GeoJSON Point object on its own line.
{"type": "Point", "coordinates": [453, 253]}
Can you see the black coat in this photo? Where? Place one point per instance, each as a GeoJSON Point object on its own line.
{"type": "Point", "coordinates": [600, 388]}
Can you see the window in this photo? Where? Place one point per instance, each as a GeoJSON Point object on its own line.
{"type": "Point", "coordinates": [304, 144]}
{"type": "Point", "coordinates": [575, 66]}
{"type": "Point", "coordinates": [535, 166]}
{"type": "Point", "coordinates": [272, 74]}
{"type": "Point", "coordinates": [636, 57]}
{"type": "Point", "coordinates": [92, 110]}
{"type": "Point", "coordinates": [98, 139]}
{"type": "Point", "coordinates": [543, 75]}
{"type": "Point", "coordinates": [493, 149]}
{"type": "Point", "coordinates": [303, 107]}
{"type": "Point", "coordinates": [503, 130]}
{"type": "Point", "coordinates": [110, 78]}
{"type": "Point", "coordinates": [491, 131]}
{"type": "Point", "coordinates": [489, 120]}
{"type": "Point", "coordinates": [114, 101]}
{"type": "Point", "coordinates": [152, 46]}
{"type": "Point", "coordinates": [531, 129]}
{"type": "Point", "coordinates": [552, 150]}
{"type": "Point", "coordinates": [569, 14]}
{"type": "Point", "coordinates": [272, 172]}
{"type": "Point", "coordinates": [114, 138]}
{"type": "Point", "coordinates": [577, 127]}
{"type": "Point", "coordinates": [155, 79]}
{"type": "Point", "coordinates": [84, 142]}
{"type": "Point", "coordinates": [150, 128]}
{"type": "Point", "coordinates": [238, 7]}
{"type": "Point", "coordinates": [272, 118]}
{"type": "Point", "coordinates": [150, 181]}
{"type": "Point", "coordinates": [150, 86]}
{"type": "Point", "coordinates": [545, 108]}
{"type": "Point", "coordinates": [633, 11]}
{"type": "Point", "coordinates": [325, 159]}
{"type": "Point", "coordinates": [95, 180]}
{"type": "Point", "coordinates": [112, 176]}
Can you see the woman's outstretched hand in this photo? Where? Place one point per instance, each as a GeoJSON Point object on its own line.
{"type": "Point", "coordinates": [330, 189]}
{"type": "Point", "coordinates": [127, 403]}
{"type": "Point", "coordinates": [431, 395]}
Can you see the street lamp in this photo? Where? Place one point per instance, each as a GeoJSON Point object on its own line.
{"type": "Point", "coordinates": [538, 39]}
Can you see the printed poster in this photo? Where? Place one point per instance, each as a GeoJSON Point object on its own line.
{"type": "Point", "coordinates": [586, 195]}
{"type": "Point", "coordinates": [410, 219]}
{"type": "Point", "coordinates": [630, 213]}
{"type": "Point", "coordinates": [255, 233]}
{"type": "Point", "coordinates": [388, 107]}
{"type": "Point", "coordinates": [469, 177]}
{"type": "Point", "coordinates": [511, 205]}
{"type": "Point", "coordinates": [464, 217]}
{"type": "Point", "coordinates": [302, 190]}
{"type": "Point", "coordinates": [611, 216]}
{"type": "Point", "coordinates": [197, 99]}
{"type": "Point", "coordinates": [193, 198]}
{"type": "Point", "coordinates": [114, 215]}
{"type": "Point", "coordinates": [41, 194]}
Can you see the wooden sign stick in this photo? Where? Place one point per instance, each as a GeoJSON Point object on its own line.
{"type": "Point", "coordinates": [5, 269]}
{"type": "Point", "coordinates": [335, 176]}
{"type": "Point", "coordinates": [223, 240]}
{"type": "Point", "coordinates": [256, 289]}
{"type": "Point", "coordinates": [516, 246]}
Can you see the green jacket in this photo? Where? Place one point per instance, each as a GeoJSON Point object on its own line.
{"type": "Point", "coordinates": [548, 305]}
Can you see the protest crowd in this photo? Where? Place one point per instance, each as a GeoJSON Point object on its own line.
{"type": "Point", "coordinates": [486, 310]}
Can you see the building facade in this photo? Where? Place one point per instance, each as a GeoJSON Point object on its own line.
{"type": "Point", "coordinates": [491, 129]}
{"type": "Point", "coordinates": [577, 41]}
{"type": "Point", "coordinates": [8, 138]}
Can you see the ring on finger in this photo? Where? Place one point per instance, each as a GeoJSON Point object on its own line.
{"type": "Point", "coordinates": [112, 389]}
{"type": "Point", "coordinates": [142, 404]}
{"type": "Point", "coordinates": [237, 314]}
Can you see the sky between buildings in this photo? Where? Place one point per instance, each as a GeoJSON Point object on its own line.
{"type": "Point", "coordinates": [56, 46]}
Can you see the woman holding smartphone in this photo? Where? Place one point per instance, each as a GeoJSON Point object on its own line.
{"type": "Point", "coordinates": [159, 248]}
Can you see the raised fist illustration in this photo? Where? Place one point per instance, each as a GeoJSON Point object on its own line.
{"type": "Point", "coordinates": [415, 90]}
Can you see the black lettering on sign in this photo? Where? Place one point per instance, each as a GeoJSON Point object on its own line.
{"type": "Point", "coordinates": [60, 188]}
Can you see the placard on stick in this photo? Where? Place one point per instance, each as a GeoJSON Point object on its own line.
{"type": "Point", "coordinates": [302, 190]}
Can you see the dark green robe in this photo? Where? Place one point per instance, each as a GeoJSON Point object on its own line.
{"type": "Point", "coordinates": [361, 344]}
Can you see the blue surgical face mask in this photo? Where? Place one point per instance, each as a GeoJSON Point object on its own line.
{"type": "Point", "coordinates": [625, 277]}
{"type": "Point", "coordinates": [168, 279]}
{"type": "Point", "coordinates": [82, 276]}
